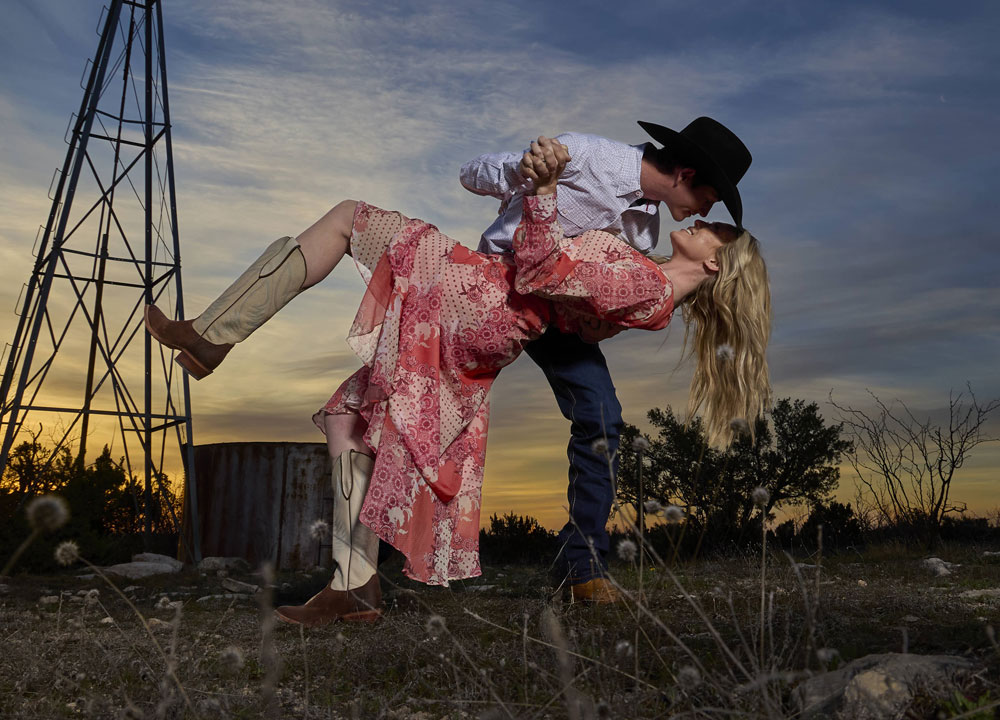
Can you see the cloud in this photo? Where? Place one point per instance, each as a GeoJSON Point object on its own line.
{"type": "Point", "coordinates": [867, 191]}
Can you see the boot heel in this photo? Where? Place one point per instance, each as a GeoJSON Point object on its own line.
{"type": "Point", "coordinates": [194, 368]}
{"type": "Point", "coordinates": [365, 616]}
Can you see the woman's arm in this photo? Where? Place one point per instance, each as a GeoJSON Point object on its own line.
{"type": "Point", "coordinates": [619, 286]}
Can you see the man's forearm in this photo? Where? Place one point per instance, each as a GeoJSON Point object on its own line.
{"type": "Point", "coordinates": [493, 174]}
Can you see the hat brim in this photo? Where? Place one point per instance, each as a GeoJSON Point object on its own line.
{"type": "Point", "coordinates": [708, 170]}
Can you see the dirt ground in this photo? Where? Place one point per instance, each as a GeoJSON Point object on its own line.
{"type": "Point", "coordinates": [503, 645]}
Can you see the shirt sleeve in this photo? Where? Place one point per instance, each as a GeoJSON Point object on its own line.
{"type": "Point", "coordinates": [623, 287]}
{"type": "Point", "coordinates": [495, 175]}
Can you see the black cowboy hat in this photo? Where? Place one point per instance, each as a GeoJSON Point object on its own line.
{"type": "Point", "coordinates": [719, 157]}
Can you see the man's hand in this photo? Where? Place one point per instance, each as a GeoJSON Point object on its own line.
{"type": "Point", "coordinates": [544, 163]}
{"type": "Point", "coordinates": [593, 330]}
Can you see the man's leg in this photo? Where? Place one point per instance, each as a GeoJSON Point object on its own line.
{"type": "Point", "coordinates": [578, 374]}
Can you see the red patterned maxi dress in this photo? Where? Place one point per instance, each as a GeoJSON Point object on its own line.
{"type": "Point", "coordinates": [436, 325]}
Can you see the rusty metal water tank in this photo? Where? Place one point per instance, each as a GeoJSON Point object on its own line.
{"type": "Point", "coordinates": [256, 500]}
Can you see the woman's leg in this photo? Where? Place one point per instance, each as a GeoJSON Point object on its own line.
{"type": "Point", "coordinates": [286, 268]}
{"type": "Point", "coordinates": [353, 593]}
{"type": "Point", "coordinates": [327, 241]}
{"type": "Point", "coordinates": [345, 431]}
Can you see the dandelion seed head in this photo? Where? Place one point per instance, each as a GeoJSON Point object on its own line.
{"type": "Point", "coordinates": [739, 426]}
{"type": "Point", "coordinates": [652, 507]}
{"type": "Point", "coordinates": [623, 648]}
{"type": "Point", "coordinates": [67, 553]}
{"type": "Point", "coordinates": [760, 496]}
{"type": "Point", "coordinates": [599, 446]}
{"type": "Point", "coordinates": [688, 677]}
{"type": "Point", "coordinates": [319, 530]}
{"type": "Point", "coordinates": [826, 655]}
{"type": "Point", "coordinates": [209, 707]}
{"type": "Point", "coordinates": [725, 352]}
{"type": "Point", "coordinates": [673, 513]}
{"type": "Point", "coordinates": [435, 626]}
{"type": "Point", "coordinates": [92, 596]}
{"type": "Point", "coordinates": [232, 658]}
{"type": "Point", "coordinates": [48, 513]}
{"type": "Point", "coordinates": [640, 444]}
{"type": "Point", "coordinates": [163, 603]}
{"type": "Point", "coordinates": [627, 550]}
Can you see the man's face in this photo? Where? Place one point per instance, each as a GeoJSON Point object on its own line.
{"type": "Point", "coordinates": [686, 200]}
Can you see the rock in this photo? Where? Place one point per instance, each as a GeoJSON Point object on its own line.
{"type": "Point", "coordinates": [136, 570]}
{"type": "Point", "coordinates": [157, 624]}
{"type": "Point", "coordinates": [221, 597]}
{"type": "Point", "coordinates": [991, 554]}
{"type": "Point", "coordinates": [48, 600]}
{"type": "Point", "coordinates": [862, 583]}
{"type": "Point", "coordinates": [240, 587]}
{"type": "Point", "coordinates": [480, 588]}
{"type": "Point", "coordinates": [981, 594]}
{"type": "Point", "coordinates": [939, 567]}
{"type": "Point", "coordinates": [213, 564]}
{"type": "Point", "coordinates": [157, 558]}
{"type": "Point", "coordinates": [107, 621]}
{"type": "Point", "coordinates": [165, 603]}
{"type": "Point", "coordinates": [876, 686]}
{"type": "Point", "coordinates": [911, 619]}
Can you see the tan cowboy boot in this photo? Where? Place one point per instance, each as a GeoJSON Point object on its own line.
{"type": "Point", "coordinates": [354, 593]}
{"type": "Point", "coordinates": [264, 288]}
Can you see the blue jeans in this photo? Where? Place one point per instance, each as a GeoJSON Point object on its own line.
{"type": "Point", "coordinates": [578, 374]}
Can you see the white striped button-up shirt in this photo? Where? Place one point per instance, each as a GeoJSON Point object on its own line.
{"type": "Point", "coordinates": [598, 190]}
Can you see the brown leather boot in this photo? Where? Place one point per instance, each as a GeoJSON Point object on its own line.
{"type": "Point", "coordinates": [363, 604]}
{"type": "Point", "coordinates": [198, 356]}
{"type": "Point", "coordinates": [599, 591]}
{"type": "Point", "coordinates": [353, 594]}
{"type": "Point", "coordinates": [265, 287]}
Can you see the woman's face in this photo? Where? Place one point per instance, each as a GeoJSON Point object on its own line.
{"type": "Point", "coordinates": [700, 241]}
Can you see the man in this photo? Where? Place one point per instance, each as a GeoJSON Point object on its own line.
{"type": "Point", "coordinates": [607, 185]}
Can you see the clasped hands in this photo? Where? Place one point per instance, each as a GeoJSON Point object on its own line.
{"type": "Point", "coordinates": [544, 163]}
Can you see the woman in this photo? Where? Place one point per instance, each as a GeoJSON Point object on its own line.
{"type": "Point", "coordinates": [437, 324]}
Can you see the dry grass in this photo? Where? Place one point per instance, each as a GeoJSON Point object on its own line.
{"type": "Point", "coordinates": [692, 648]}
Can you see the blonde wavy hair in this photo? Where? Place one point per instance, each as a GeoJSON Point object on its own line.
{"type": "Point", "coordinates": [728, 325]}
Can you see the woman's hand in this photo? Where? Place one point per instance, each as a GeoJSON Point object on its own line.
{"type": "Point", "coordinates": [544, 163]}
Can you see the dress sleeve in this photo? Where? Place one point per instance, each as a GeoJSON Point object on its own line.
{"type": "Point", "coordinates": [621, 287]}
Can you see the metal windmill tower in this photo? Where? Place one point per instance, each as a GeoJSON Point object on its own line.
{"type": "Point", "coordinates": [81, 360]}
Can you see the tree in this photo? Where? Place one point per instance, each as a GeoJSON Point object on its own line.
{"type": "Point", "coordinates": [106, 511]}
{"type": "Point", "coordinates": [795, 458]}
{"type": "Point", "coordinates": [34, 469]}
{"type": "Point", "coordinates": [516, 539]}
{"type": "Point", "coordinates": [906, 466]}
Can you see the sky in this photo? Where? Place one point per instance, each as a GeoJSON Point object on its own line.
{"type": "Point", "coordinates": [876, 167]}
